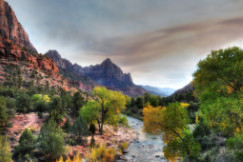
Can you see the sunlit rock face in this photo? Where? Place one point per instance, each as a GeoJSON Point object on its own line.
{"type": "Point", "coordinates": [10, 27]}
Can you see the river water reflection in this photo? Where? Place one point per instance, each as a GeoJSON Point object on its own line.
{"type": "Point", "coordinates": [144, 148]}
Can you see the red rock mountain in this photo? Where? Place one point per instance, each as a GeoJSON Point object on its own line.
{"type": "Point", "coordinates": [17, 51]}
{"type": "Point", "coordinates": [11, 29]}
{"type": "Point", "coordinates": [107, 74]}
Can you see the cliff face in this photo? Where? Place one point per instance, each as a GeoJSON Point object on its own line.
{"type": "Point", "coordinates": [9, 51]}
{"type": "Point", "coordinates": [11, 29]}
{"type": "Point", "coordinates": [61, 63]}
{"type": "Point", "coordinates": [107, 74]}
{"type": "Point", "coordinates": [17, 51]}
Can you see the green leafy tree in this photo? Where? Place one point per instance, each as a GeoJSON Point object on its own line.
{"type": "Point", "coordinates": [11, 107]}
{"type": "Point", "coordinates": [26, 145]}
{"type": "Point", "coordinates": [80, 128]}
{"type": "Point", "coordinates": [41, 106]}
{"type": "Point", "coordinates": [51, 140]}
{"type": "Point", "coordinates": [223, 115]}
{"type": "Point", "coordinates": [108, 103]}
{"type": "Point", "coordinates": [220, 74]}
{"type": "Point", "coordinates": [78, 102]}
{"type": "Point", "coordinates": [147, 97]}
{"type": "Point", "coordinates": [24, 103]}
{"type": "Point", "coordinates": [154, 100]}
{"type": "Point", "coordinates": [139, 103]}
{"type": "Point", "coordinates": [236, 144]}
{"type": "Point", "coordinates": [56, 110]}
{"type": "Point", "coordinates": [5, 153]}
{"type": "Point", "coordinates": [219, 85]}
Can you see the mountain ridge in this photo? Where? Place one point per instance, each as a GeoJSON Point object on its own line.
{"type": "Point", "coordinates": [107, 74]}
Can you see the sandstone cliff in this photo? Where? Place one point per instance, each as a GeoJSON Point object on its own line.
{"type": "Point", "coordinates": [11, 29]}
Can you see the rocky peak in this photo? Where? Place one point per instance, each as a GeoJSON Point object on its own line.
{"type": "Point", "coordinates": [109, 74]}
{"type": "Point", "coordinates": [107, 62]}
{"type": "Point", "coordinates": [11, 29]}
{"type": "Point", "coordinates": [56, 57]}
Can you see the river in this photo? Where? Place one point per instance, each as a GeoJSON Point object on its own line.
{"type": "Point", "coordinates": [145, 148]}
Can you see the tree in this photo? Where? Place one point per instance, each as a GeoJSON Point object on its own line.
{"type": "Point", "coordinates": [140, 102]}
{"type": "Point", "coordinates": [80, 128]}
{"type": "Point", "coordinates": [219, 83]}
{"type": "Point", "coordinates": [220, 74]}
{"type": "Point", "coordinates": [154, 100]}
{"type": "Point", "coordinates": [26, 145]}
{"type": "Point", "coordinates": [24, 103]}
{"type": "Point", "coordinates": [147, 97]}
{"type": "Point", "coordinates": [236, 144]}
{"type": "Point", "coordinates": [41, 106]}
{"type": "Point", "coordinates": [108, 103]}
{"type": "Point", "coordinates": [3, 115]}
{"type": "Point", "coordinates": [5, 153]}
{"type": "Point", "coordinates": [78, 102]}
{"type": "Point", "coordinates": [56, 110]}
{"type": "Point", "coordinates": [51, 140]}
{"type": "Point", "coordinates": [223, 115]}
{"type": "Point", "coordinates": [172, 121]}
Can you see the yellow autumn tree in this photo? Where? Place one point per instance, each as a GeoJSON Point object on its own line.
{"type": "Point", "coordinates": [172, 121]}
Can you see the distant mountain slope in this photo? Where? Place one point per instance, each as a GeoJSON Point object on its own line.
{"type": "Point", "coordinates": [186, 89]}
{"type": "Point", "coordinates": [106, 73]}
{"type": "Point", "coordinates": [164, 92]}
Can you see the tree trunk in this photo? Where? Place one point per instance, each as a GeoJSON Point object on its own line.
{"type": "Point", "coordinates": [99, 124]}
{"type": "Point", "coordinates": [102, 117]}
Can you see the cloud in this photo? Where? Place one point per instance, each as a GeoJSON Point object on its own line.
{"type": "Point", "coordinates": [156, 39]}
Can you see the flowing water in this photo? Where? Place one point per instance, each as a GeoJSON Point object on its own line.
{"type": "Point", "coordinates": [145, 148]}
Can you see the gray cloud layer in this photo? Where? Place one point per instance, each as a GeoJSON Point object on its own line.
{"type": "Point", "coordinates": [159, 42]}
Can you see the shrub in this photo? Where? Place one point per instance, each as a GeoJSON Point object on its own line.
{"type": "Point", "coordinates": [51, 140]}
{"type": "Point", "coordinates": [3, 115]}
{"type": "Point", "coordinates": [123, 147]}
{"type": "Point", "coordinates": [24, 103]}
{"type": "Point", "coordinates": [26, 145]}
{"type": "Point", "coordinates": [79, 128]}
{"type": "Point", "coordinates": [41, 106]}
{"type": "Point", "coordinates": [56, 110]}
{"type": "Point", "coordinates": [5, 154]}
{"type": "Point", "coordinates": [102, 153]}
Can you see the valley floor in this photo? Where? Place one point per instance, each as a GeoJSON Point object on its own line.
{"type": "Point", "coordinates": [112, 135]}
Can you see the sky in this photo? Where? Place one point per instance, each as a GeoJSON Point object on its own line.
{"type": "Point", "coordinates": [158, 41]}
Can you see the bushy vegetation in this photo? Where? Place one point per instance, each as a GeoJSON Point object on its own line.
{"type": "Point", "coordinates": [102, 153]}
{"type": "Point", "coordinates": [5, 154]}
{"type": "Point", "coordinates": [218, 118]}
{"type": "Point", "coordinates": [51, 140]}
{"type": "Point", "coordinates": [25, 150]}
